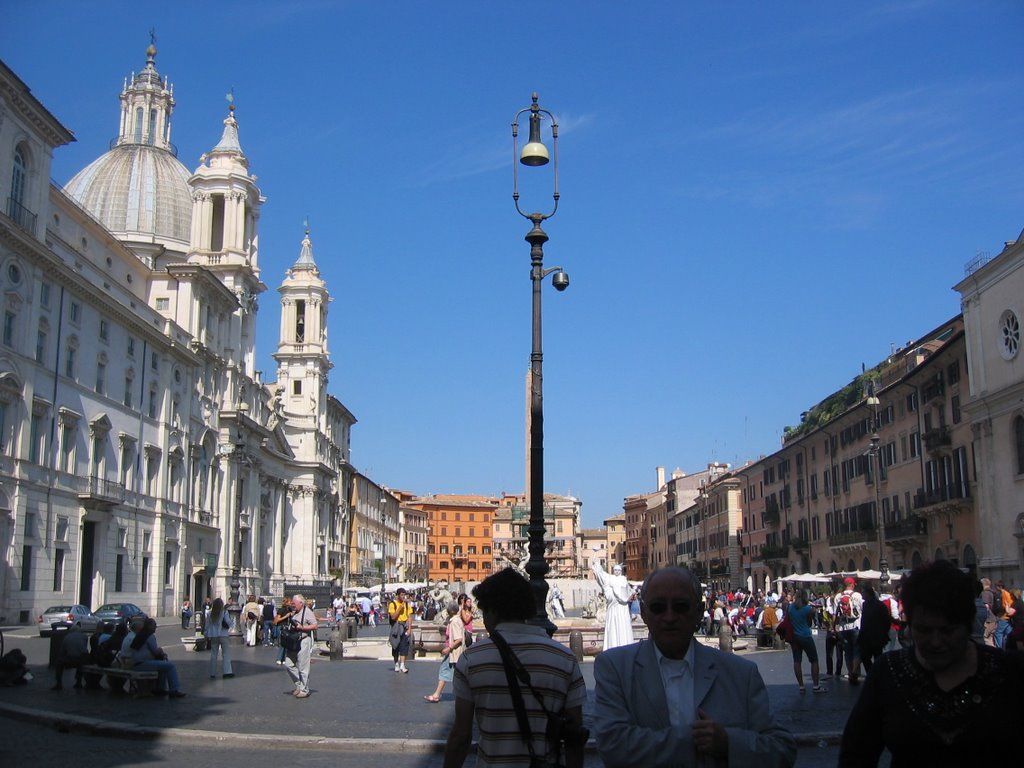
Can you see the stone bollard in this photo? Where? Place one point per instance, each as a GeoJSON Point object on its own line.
{"type": "Point", "coordinates": [336, 642]}
{"type": "Point", "coordinates": [725, 637]}
{"type": "Point", "coordinates": [576, 644]}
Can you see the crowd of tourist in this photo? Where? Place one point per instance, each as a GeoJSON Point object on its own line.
{"type": "Point", "coordinates": [938, 659]}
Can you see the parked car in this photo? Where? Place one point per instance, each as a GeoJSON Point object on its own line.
{"type": "Point", "coordinates": [118, 613]}
{"type": "Point", "coordinates": [66, 616]}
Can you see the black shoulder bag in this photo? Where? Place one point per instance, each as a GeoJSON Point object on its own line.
{"type": "Point", "coordinates": [560, 730]}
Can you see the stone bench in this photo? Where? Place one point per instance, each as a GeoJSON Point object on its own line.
{"type": "Point", "coordinates": [139, 681]}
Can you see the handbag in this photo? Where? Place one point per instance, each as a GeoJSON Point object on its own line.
{"type": "Point", "coordinates": [560, 730]}
{"type": "Point", "coordinates": [785, 630]}
{"type": "Point", "coordinates": [291, 639]}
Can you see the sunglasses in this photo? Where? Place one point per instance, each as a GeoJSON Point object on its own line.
{"type": "Point", "coordinates": [658, 607]}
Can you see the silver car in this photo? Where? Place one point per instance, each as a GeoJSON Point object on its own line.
{"type": "Point", "coordinates": [66, 616]}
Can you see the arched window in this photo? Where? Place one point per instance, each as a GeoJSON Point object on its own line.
{"type": "Point", "coordinates": [1018, 433]}
{"type": "Point", "coordinates": [70, 357]}
{"type": "Point", "coordinates": [915, 559]}
{"type": "Point", "coordinates": [867, 564]}
{"type": "Point", "coordinates": [18, 176]}
{"type": "Point", "coordinates": [939, 555]}
{"type": "Point", "coordinates": [138, 125]}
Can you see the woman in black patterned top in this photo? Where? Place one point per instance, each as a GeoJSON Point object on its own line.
{"type": "Point", "coordinates": [939, 701]}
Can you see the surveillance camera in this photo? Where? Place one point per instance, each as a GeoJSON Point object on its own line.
{"type": "Point", "coordinates": [560, 280]}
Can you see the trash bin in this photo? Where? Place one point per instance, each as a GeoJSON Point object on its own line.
{"type": "Point", "coordinates": [351, 628]}
{"type": "Point", "coordinates": [56, 643]}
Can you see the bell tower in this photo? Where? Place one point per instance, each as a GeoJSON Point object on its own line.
{"type": "Point", "coordinates": [303, 361]}
{"type": "Point", "coordinates": [225, 234]}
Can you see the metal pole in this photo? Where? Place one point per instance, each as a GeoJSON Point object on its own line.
{"type": "Point", "coordinates": [883, 564]}
{"type": "Point", "coordinates": [537, 566]}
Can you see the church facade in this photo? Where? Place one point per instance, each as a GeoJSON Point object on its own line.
{"type": "Point", "coordinates": [143, 458]}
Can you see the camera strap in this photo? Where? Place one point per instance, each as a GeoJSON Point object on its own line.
{"type": "Point", "coordinates": [511, 662]}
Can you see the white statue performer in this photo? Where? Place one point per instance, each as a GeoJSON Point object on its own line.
{"type": "Point", "coordinates": [618, 627]}
{"type": "Point", "coordinates": [555, 599]}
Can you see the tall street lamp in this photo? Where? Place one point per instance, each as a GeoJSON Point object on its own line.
{"type": "Point", "coordinates": [535, 155]}
{"type": "Point", "coordinates": [704, 517]}
{"type": "Point", "coordinates": [876, 457]}
{"type": "Point", "coordinates": [378, 551]}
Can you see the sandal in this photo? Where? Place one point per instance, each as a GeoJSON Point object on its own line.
{"type": "Point", "coordinates": [432, 699]}
{"type": "Point", "coordinates": [802, 689]}
{"type": "Point", "coordinates": [820, 689]}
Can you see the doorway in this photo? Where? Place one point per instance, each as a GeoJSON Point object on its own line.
{"type": "Point", "coordinates": [85, 573]}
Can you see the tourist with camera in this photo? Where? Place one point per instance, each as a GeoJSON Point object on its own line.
{"type": "Point", "coordinates": [525, 690]}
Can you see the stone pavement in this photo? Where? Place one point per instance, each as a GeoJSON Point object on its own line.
{"type": "Point", "coordinates": [357, 705]}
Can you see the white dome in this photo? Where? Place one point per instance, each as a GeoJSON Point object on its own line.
{"type": "Point", "coordinates": [137, 188]}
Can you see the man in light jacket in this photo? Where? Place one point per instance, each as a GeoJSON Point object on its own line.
{"type": "Point", "coordinates": [669, 701]}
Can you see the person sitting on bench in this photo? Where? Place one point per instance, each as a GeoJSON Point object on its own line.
{"type": "Point", "coordinates": [141, 651]}
{"type": "Point", "coordinates": [74, 652]}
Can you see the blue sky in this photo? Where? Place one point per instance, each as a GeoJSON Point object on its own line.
{"type": "Point", "coordinates": [757, 198]}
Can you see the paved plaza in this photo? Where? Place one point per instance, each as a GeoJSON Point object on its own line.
{"type": "Point", "coordinates": [359, 709]}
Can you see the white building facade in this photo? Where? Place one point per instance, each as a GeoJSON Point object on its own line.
{"type": "Point", "coordinates": [992, 297]}
{"type": "Point", "coordinates": [142, 457]}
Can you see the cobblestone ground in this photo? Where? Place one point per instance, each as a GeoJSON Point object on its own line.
{"type": "Point", "coordinates": [41, 746]}
{"type": "Point", "coordinates": [362, 700]}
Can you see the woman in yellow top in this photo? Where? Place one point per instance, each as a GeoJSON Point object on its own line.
{"type": "Point", "coordinates": [400, 615]}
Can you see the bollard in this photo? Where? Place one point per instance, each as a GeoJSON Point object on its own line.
{"type": "Point", "coordinates": [576, 644]}
{"type": "Point", "coordinates": [335, 643]}
{"type": "Point", "coordinates": [725, 637]}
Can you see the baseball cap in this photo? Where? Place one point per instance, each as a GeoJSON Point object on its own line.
{"type": "Point", "coordinates": [849, 580]}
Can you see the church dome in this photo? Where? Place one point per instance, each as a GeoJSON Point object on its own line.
{"type": "Point", "coordinates": [137, 188]}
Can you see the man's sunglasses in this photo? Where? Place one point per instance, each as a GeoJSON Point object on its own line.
{"type": "Point", "coordinates": [658, 607]}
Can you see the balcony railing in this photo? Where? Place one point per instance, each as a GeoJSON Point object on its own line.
{"type": "Point", "coordinates": [771, 516]}
{"type": "Point", "coordinates": [912, 527]}
{"type": "Point", "coordinates": [862, 535]}
{"type": "Point", "coordinates": [772, 552]}
{"type": "Point", "coordinates": [925, 498]}
{"type": "Point", "coordinates": [937, 438]}
{"type": "Point", "coordinates": [800, 545]}
{"type": "Point", "coordinates": [21, 215]}
{"type": "Point", "coordinates": [102, 491]}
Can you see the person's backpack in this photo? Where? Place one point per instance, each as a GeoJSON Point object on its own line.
{"type": "Point", "coordinates": [847, 610]}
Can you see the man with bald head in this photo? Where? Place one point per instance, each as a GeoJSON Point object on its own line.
{"type": "Point", "coordinates": [670, 701]}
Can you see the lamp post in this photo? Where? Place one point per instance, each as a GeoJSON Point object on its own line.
{"type": "Point", "coordinates": [707, 549]}
{"type": "Point", "coordinates": [378, 555]}
{"type": "Point", "coordinates": [535, 155]}
{"type": "Point", "coordinates": [876, 458]}
{"type": "Point", "coordinates": [739, 550]}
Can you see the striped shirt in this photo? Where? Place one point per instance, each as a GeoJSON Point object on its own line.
{"type": "Point", "coordinates": [480, 677]}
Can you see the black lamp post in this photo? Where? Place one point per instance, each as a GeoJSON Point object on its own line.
{"type": "Point", "coordinates": [379, 552]}
{"type": "Point", "coordinates": [534, 155]}
{"type": "Point", "coordinates": [707, 532]}
{"type": "Point", "coordinates": [876, 456]}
